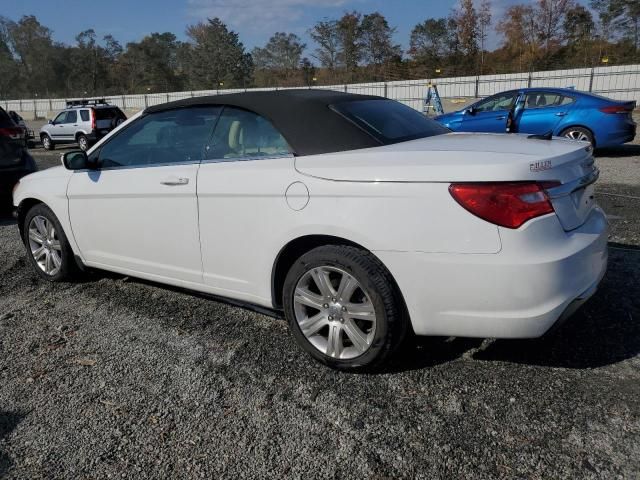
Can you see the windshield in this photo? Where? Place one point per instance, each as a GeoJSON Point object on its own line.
{"type": "Point", "coordinates": [389, 121]}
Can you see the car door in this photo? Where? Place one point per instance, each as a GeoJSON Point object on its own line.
{"type": "Point", "coordinates": [243, 179]}
{"type": "Point", "coordinates": [56, 130]}
{"type": "Point", "coordinates": [489, 115]}
{"type": "Point", "coordinates": [137, 212]}
{"type": "Point", "coordinates": [542, 111]}
{"type": "Point", "coordinates": [69, 126]}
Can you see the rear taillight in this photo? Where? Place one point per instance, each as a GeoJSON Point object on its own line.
{"type": "Point", "coordinates": [506, 204]}
{"type": "Point", "coordinates": [11, 132]}
{"type": "Point", "coordinates": [617, 109]}
{"type": "Point", "coordinates": [93, 119]}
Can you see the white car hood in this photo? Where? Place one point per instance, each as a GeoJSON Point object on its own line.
{"type": "Point", "coordinates": [454, 157]}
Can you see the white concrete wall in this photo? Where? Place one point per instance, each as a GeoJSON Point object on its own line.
{"type": "Point", "coordinates": [618, 82]}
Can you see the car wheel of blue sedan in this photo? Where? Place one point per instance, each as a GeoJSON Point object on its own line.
{"type": "Point", "coordinates": [578, 133]}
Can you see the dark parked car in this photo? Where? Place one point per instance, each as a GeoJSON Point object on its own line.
{"type": "Point", "coordinates": [15, 161]}
{"type": "Point", "coordinates": [563, 112]}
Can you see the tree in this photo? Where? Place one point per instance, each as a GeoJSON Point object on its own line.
{"type": "Point", "coordinates": [325, 35]}
{"type": "Point", "coordinates": [551, 15]}
{"type": "Point", "coordinates": [629, 22]}
{"type": "Point", "coordinates": [152, 64]}
{"type": "Point", "coordinates": [519, 29]}
{"type": "Point", "coordinates": [578, 29]}
{"type": "Point", "coordinates": [217, 56]}
{"type": "Point", "coordinates": [377, 40]}
{"type": "Point", "coordinates": [282, 53]}
{"type": "Point", "coordinates": [484, 22]}
{"type": "Point", "coordinates": [466, 19]}
{"type": "Point", "coordinates": [430, 42]}
{"type": "Point", "coordinates": [349, 33]}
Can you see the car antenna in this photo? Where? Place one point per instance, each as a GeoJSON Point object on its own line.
{"type": "Point", "coordinates": [542, 136]}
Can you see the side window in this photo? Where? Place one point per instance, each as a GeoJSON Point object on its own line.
{"type": "Point", "coordinates": [173, 136]}
{"type": "Point", "coordinates": [60, 118]}
{"type": "Point", "coordinates": [84, 114]}
{"type": "Point", "coordinates": [241, 134]}
{"type": "Point", "coordinates": [502, 101]}
{"type": "Point", "coordinates": [545, 99]}
{"type": "Point", "coordinates": [72, 116]}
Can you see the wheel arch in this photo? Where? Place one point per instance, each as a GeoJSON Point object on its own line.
{"type": "Point", "coordinates": [25, 205]}
{"type": "Point", "coordinates": [297, 247]}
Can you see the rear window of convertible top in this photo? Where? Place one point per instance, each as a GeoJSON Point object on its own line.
{"type": "Point", "coordinates": [389, 121]}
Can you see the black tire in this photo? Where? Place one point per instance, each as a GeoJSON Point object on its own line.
{"type": "Point", "coordinates": [575, 132]}
{"type": "Point", "coordinates": [375, 281]}
{"type": "Point", "coordinates": [68, 269]}
{"type": "Point", "coordinates": [47, 143]}
{"type": "Point", "coordinates": [83, 142]}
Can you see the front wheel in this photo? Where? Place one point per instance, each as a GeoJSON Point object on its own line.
{"type": "Point", "coordinates": [47, 143]}
{"type": "Point", "coordinates": [578, 133]}
{"type": "Point", "coordinates": [343, 309]}
{"type": "Point", "coordinates": [47, 246]}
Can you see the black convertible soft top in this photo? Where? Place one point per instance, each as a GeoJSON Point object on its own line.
{"type": "Point", "coordinates": [303, 117]}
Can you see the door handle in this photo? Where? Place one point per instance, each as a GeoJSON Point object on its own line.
{"type": "Point", "coordinates": [174, 181]}
{"type": "Point", "coordinates": [561, 114]}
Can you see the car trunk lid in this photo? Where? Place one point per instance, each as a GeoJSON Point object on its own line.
{"type": "Point", "coordinates": [566, 167]}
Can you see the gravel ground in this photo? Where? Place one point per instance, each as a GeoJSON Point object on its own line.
{"type": "Point", "coordinates": [115, 377]}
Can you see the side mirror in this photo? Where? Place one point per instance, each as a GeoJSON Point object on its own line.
{"type": "Point", "coordinates": [50, 122]}
{"type": "Point", "coordinates": [77, 160]}
{"type": "Point", "coordinates": [470, 111]}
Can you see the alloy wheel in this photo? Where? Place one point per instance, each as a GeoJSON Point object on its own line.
{"type": "Point", "coordinates": [334, 312]}
{"type": "Point", "coordinates": [577, 135]}
{"type": "Point", "coordinates": [45, 245]}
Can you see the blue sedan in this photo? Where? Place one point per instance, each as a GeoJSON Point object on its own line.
{"type": "Point", "coordinates": [559, 111]}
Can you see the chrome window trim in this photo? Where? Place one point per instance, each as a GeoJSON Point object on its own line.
{"type": "Point", "coordinates": [246, 159]}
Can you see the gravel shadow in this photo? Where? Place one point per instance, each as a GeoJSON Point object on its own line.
{"type": "Point", "coordinates": [8, 422]}
{"type": "Point", "coordinates": [627, 150]}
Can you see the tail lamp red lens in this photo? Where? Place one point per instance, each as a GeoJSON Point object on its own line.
{"type": "Point", "coordinates": [617, 109]}
{"type": "Point", "coordinates": [93, 119]}
{"type": "Point", "coordinates": [13, 132]}
{"type": "Point", "coordinates": [507, 204]}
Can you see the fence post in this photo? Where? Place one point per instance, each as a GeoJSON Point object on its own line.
{"type": "Point", "coordinates": [529, 81]}
{"type": "Point", "coordinates": [167, 98]}
{"type": "Point", "coordinates": [20, 105]}
{"type": "Point", "coordinates": [192, 95]}
{"type": "Point", "coordinates": [591, 80]}
{"type": "Point", "coordinates": [124, 102]}
{"type": "Point", "coordinates": [146, 101]}
{"type": "Point", "coordinates": [477, 89]}
{"type": "Point", "coordinates": [385, 90]}
{"type": "Point", "coordinates": [345, 88]}
{"type": "Point", "coordinates": [50, 106]}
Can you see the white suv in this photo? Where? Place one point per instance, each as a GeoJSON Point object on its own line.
{"type": "Point", "coordinates": [83, 122]}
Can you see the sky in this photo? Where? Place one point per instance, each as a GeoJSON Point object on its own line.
{"type": "Point", "coordinates": [254, 20]}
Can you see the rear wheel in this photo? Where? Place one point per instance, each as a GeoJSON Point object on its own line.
{"type": "Point", "coordinates": [83, 142]}
{"type": "Point", "coordinates": [578, 133]}
{"type": "Point", "coordinates": [47, 143]}
{"type": "Point", "coordinates": [343, 309]}
{"type": "Point", "coordinates": [47, 246]}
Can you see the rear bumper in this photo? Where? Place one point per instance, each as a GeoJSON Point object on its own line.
{"type": "Point", "coordinates": [541, 275]}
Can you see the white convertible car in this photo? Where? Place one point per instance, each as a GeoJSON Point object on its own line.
{"type": "Point", "coordinates": [356, 216]}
